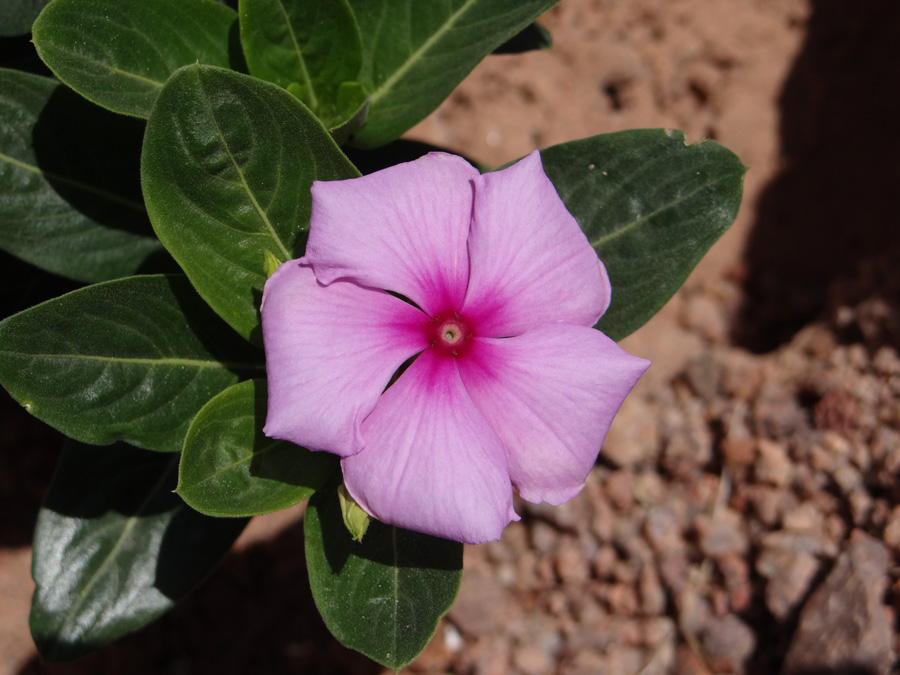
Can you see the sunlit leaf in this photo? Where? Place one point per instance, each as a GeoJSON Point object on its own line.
{"type": "Point", "coordinates": [132, 360]}
{"type": "Point", "coordinates": [415, 53]}
{"type": "Point", "coordinates": [118, 53]}
{"type": "Point", "coordinates": [227, 166]}
{"type": "Point", "coordinates": [310, 47]}
{"type": "Point", "coordinates": [229, 468]}
{"type": "Point", "coordinates": [114, 548]}
{"type": "Point", "coordinates": [382, 596]}
{"type": "Point", "coordinates": [651, 206]}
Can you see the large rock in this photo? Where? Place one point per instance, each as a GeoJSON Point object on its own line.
{"type": "Point", "coordinates": [844, 626]}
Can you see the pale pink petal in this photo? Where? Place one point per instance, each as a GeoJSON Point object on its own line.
{"type": "Point", "coordinates": [550, 394]}
{"type": "Point", "coordinates": [330, 352]}
{"type": "Point", "coordinates": [530, 262]}
{"type": "Point", "coordinates": [431, 462]}
{"type": "Point", "coordinates": [402, 229]}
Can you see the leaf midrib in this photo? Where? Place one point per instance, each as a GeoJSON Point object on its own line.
{"type": "Point", "coordinates": [129, 525]}
{"type": "Point", "coordinates": [243, 460]}
{"type": "Point", "coordinates": [304, 71]}
{"type": "Point", "coordinates": [385, 87]}
{"type": "Point", "coordinates": [396, 589]}
{"type": "Point", "coordinates": [250, 195]}
{"type": "Point", "coordinates": [634, 223]}
{"type": "Point", "coordinates": [156, 84]}
{"type": "Point", "coordinates": [166, 361]}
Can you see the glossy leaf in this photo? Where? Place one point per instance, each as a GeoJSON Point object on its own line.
{"type": "Point", "coordinates": [651, 206]}
{"type": "Point", "coordinates": [227, 166]}
{"type": "Point", "coordinates": [229, 468]}
{"type": "Point", "coordinates": [313, 46]}
{"type": "Point", "coordinates": [114, 548]}
{"type": "Point", "coordinates": [118, 53]}
{"type": "Point", "coordinates": [382, 596]}
{"type": "Point", "coordinates": [415, 53]}
{"type": "Point", "coordinates": [16, 16]}
{"type": "Point", "coordinates": [70, 184]}
{"type": "Point", "coordinates": [353, 102]}
{"type": "Point", "coordinates": [132, 359]}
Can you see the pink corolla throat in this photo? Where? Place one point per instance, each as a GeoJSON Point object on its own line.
{"type": "Point", "coordinates": [449, 334]}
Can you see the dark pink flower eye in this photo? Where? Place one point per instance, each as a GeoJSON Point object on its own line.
{"type": "Point", "coordinates": [449, 334]}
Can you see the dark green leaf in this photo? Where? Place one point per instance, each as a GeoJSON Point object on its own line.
{"type": "Point", "coordinates": [229, 468]}
{"type": "Point", "coordinates": [651, 206]}
{"type": "Point", "coordinates": [313, 46]}
{"type": "Point", "coordinates": [132, 359]}
{"type": "Point", "coordinates": [118, 53]}
{"type": "Point", "coordinates": [227, 167]}
{"type": "Point", "coordinates": [114, 548]}
{"type": "Point", "coordinates": [16, 16]}
{"type": "Point", "coordinates": [354, 102]}
{"type": "Point", "coordinates": [70, 192]}
{"type": "Point", "coordinates": [533, 36]}
{"type": "Point", "coordinates": [382, 596]}
{"type": "Point", "coordinates": [415, 53]}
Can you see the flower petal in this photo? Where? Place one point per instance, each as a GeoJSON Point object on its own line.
{"type": "Point", "coordinates": [530, 262]}
{"type": "Point", "coordinates": [330, 352]}
{"type": "Point", "coordinates": [431, 462]}
{"type": "Point", "coordinates": [403, 229]}
{"type": "Point", "coordinates": [550, 394]}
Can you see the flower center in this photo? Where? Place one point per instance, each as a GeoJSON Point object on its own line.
{"type": "Point", "coordinates": [449, 334]}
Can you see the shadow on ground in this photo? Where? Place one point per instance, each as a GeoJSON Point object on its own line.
{"type": "Point", "coordinates": [833, 206]}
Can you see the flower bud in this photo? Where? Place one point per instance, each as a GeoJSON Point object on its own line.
{"type": "Point", "coordinates": [355, 519]}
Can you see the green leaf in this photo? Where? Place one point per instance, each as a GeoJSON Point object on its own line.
{"type": "Point", "coordinates": [16, 16]}
{"type": "Point", "coordinates": [114, 548]}
{"type": "Point", "coordinates": [313, 46]}
{"type": "Point", "coordinates": [382, 596]}
{"type": "Point", "coordinates": [415, 53]}
{"type": "Point", "coordinates": [227, 166]}
{"type": "Point", "coordinates": [229, 468]}
{"type": "Point", "coordinates": [354, 102]}
{"type": "Point", "coordinates": [118, 53]}
{"type": "Point", "coordinates": [71, 194]}
{"type": "Point", "coordinates": [132, 359]}
{"type": "Point", "coordinates": [651, 206]}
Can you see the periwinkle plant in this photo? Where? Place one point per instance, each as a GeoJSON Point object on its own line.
{"type": "Point", "coordinates": [177, 161]}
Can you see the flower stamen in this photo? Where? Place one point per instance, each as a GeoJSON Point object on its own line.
{"type": "Point", "coordinates": [449, 334]}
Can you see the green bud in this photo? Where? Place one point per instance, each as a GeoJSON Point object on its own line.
{"type": "Point", "coordinates": [355, 519]}
{"type": "Point", "coordinates": [270, 263]}
{"type": "Point", "coordinates": [295, 89]}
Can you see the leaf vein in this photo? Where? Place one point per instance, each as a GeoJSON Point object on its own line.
{"type": "Point", "coordinates": [385, 87]}
{"type": "Point", "coordinates": [616, 233]}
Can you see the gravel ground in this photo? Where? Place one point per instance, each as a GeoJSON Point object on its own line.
{"type": "Point", "coordinates": [743, 517]}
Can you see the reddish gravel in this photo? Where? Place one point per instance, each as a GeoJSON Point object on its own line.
{"type": "Point", "coordinates": [744, 515]}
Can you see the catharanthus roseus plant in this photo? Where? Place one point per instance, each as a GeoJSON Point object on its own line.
{"type": "Point", "coordinates": [436, 338]}
{"type": "Point", "coordinates": [510, 385]}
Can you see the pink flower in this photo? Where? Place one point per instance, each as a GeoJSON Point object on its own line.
{"type": "Point", "coordinates": [510, 385]}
